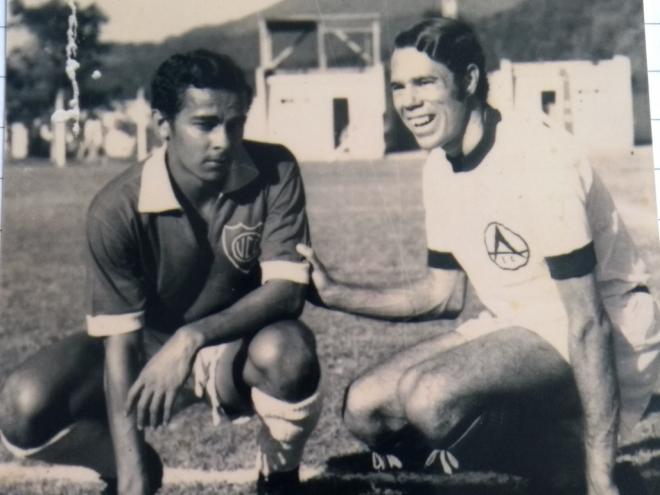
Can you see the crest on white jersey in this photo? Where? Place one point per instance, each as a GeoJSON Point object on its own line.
{"type": "Point", "coordinates": [241, 244]}
{"type": "Point", "coordinates": [505, 248]}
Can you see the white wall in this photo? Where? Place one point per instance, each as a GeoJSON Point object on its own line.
{"type": "Point", "coordinates": [298, 112]}
{"type": "Point", "coordinates": [592, 100]}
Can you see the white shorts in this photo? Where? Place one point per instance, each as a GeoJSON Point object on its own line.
{"type": "Point", "coordinates": [555, 332]}
{"type": "Point", "coordinates": [637, 349]}
{"type": "Point", "coordinates": [636, 346]}
{"type": "Point", "coordinates": [203, 374]}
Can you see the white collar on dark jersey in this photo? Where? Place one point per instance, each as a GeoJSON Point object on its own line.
{"type": "Point", "coordinates": [156, 191]}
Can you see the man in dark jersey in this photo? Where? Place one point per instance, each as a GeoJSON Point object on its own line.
{"type": "Point", "coordinates": [193, 273]}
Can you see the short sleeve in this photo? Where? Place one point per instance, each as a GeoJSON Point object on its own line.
{"type": "Point", "coordinates": [564, 228]}
{"type": "Point", "coordinates": [285, 227]}
{"type": "Point", "coordinates": [437, 219]}
{"type": "Point", "coordinates": [115, 293]}
{"type": "Point", "coordinates": [438, 231]}
{"type": "Point", "coordinates": [439, 253]}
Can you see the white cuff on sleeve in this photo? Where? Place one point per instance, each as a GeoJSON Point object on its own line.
{"type": "Point", "coordinates": [287, 270]}
{"type": "Point", "coordinates": [106, 325]}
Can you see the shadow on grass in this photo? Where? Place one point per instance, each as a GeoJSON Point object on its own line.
{"type": "Point", "coordinates": [352, 474]}
{"type": "Point", "coordinates": [650, 469]}
{"type": "Point", "coordinates": [405, 484]}
{"type": "Point", "coordinates": [645, 454]}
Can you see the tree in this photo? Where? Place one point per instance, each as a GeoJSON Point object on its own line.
{"type": "Point", "coordinates": [35, 69]}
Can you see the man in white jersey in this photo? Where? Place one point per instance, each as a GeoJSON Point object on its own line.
{"type": "Point", "coordinates": [515, 207]}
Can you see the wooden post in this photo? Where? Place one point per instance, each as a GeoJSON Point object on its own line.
{"type": "Point", "coordinates": [375, 35]}
{"type": "Point", "coordinates": [449, 8]}
{"type": "Point", "coordinates": [320, 45]}
{"type": "Point", "coordinates": [139, 112]}
{"type": "Point", "coordinates": [259, 110]}
{"type": "Point", "coordinates": [58, 143]}
{"type": "Point", "coordinates": [142, 122]}
{"type": "Point", "coordinates": [265, 44]}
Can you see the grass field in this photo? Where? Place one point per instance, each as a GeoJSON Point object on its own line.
{"type": "Point", "coordinates": [367, 225]}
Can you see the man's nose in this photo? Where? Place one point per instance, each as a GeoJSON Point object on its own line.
{"type": "Point", "coordinates": [219, 137]}
{"type": "Point", "coordinates": [410, 97]}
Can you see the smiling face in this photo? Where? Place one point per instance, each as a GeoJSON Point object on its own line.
{"type": "Point", "coordinates": [426, 97]}
{"type": "Point", "coordinates": [203, 136]}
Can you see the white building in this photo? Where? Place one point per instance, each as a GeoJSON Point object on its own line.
{"type": "Point", "coordinates": [323, 113]}
{"type": "Point", "coordinates": [592, 100]}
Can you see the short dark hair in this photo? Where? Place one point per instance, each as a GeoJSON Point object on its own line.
{"type": "Point", "coordinates": [200, 69]}
{"type": "Point", "coordinates": [450, 42]}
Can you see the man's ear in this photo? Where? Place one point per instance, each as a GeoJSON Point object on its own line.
{"type": "Point", "coordinates": [472, 75]}
{"type": "Point", "coordinates": [162, 124]}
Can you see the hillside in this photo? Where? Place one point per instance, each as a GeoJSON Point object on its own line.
{"type": "Point", "coordinates": [131, 65]}
{"type": "Point", "coordinates": [565, 29]}
{"type": "Point", "coordinates": [520, 30]}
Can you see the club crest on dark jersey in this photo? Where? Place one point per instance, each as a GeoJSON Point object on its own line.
{"type": "Point", "coordinates": [505, 248]}
{"type": "Point", "coordinates": [241, 244]}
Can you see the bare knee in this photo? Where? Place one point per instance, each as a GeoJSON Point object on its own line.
{"type": "Point", "coordinates": [413, 394]}
{"type": "Point", "coordinates": [23, 403]}
{"type": "Point", "coordinates": [282, 361]}
{"type": "Point", "coordinates": [361, 413]}
{"type": "Point", "coordinates": [432, 403]}
{"type": "Point", "coordinates": [356, 410]}
{"type": "Point", "coordinates": [408, 383]}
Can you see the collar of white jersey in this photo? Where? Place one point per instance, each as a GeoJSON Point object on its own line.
{"type": "Point", "coordinates": [466, 163]}
{"type": "Point", "coordinates": [156, 190]}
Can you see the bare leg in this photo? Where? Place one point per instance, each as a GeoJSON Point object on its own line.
{"type": "Point", "coordinates": [373, 411]}
{"type": "Point", "coordinates": [511, 369]}
{"type": "Point", "coordinates": [280, 370]}
{"type": "Point", "coordinates": [59, 387]}
{"type": "Point", "coordinates": [280, 360]}
{"type": "Point", "coordinates": [511, 364]}
{"type": "Point", "coordinates": [429, 393]}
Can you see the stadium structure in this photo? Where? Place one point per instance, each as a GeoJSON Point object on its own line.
{"type": "Point", "coordinates": [332, 109]}
{"type": "Point", "coordinates": [591, 100]}
{"type": "Point", "coordinates": [336, 108]}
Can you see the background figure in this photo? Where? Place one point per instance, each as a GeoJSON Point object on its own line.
{"type": "Point", "coordinates": [91, 147]}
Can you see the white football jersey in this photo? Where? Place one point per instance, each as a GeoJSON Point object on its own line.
{"type": "Point", "coordinates": [533, 197]}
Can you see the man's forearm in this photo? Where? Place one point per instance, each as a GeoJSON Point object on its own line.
{"type": "Point", "coordinates": [440, 293]}
{"type": "Point", "coordinates": [273, 301]}
{"type": "Point", "coordinates": [122, 365]}
{"type": "Point", "coordinates": [413, 300]}
{"type": "Point", "coordinates": [593, 363]}
{"type": "Point", "coordinates": [386, 303]}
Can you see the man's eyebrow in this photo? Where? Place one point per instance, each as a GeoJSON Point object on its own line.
{"type": "Point", "coordinates": [425, 77]}
{"type": "Point", "coordinates": [206, 117]}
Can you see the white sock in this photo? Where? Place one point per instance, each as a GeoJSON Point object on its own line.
{"type": "Point", "coordinates": [285, 430]}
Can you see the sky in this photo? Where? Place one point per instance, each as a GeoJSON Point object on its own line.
{"type": "Point", "coordinates": [155, 20]}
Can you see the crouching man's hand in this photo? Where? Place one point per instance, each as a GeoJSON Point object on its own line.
{"type": "Point", "coordinates": [152, 394]}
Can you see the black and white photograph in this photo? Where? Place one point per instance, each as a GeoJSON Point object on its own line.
{"type": "Point", "coordinates": [329, 247]}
